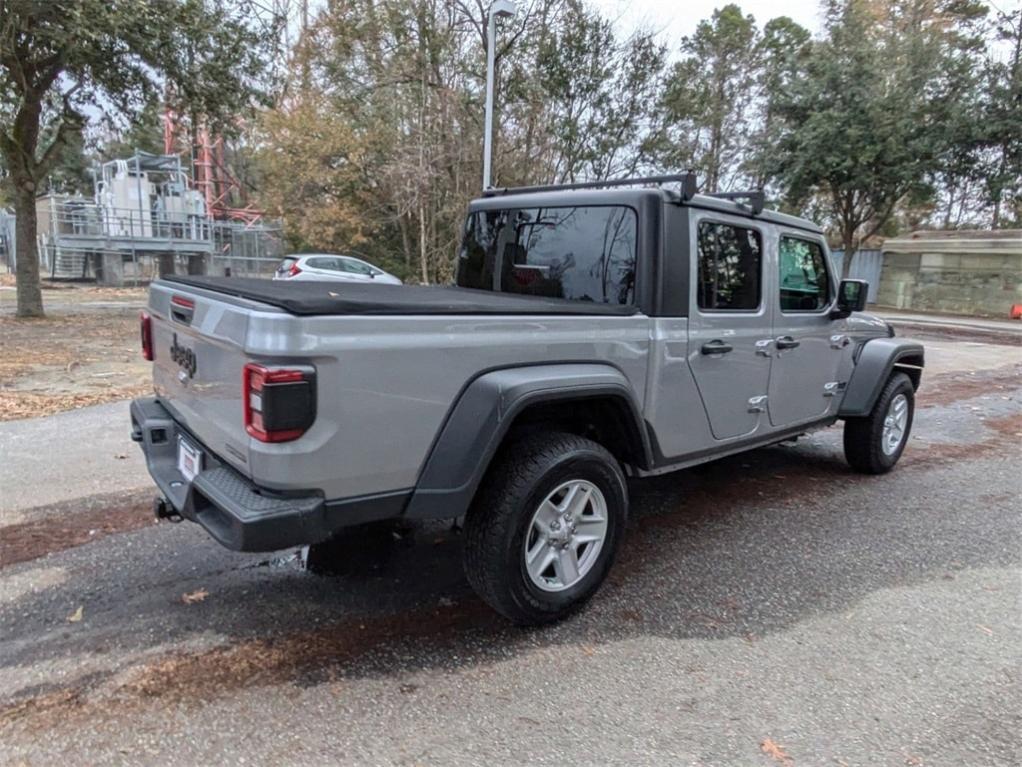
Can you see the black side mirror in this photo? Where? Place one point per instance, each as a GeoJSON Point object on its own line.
{"type": "Point", "coordinates": [851, 297]}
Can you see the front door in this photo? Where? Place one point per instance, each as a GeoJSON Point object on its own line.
{"type": "Point", "coordinates": [729, 324]}
{"type": "Point", "coordinates": [808, 345]}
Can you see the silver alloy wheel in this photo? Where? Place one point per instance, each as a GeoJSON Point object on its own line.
{"type": "Point", "coordinates": [894, 425]}
{"type": "Point", "coordinates": [566, 535]}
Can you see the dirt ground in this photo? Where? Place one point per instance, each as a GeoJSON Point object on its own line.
{"type": "Point", "coordinates": [84, 352]}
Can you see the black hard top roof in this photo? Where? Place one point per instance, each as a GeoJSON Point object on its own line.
{"type": "Point", "coordinates": [560, 198]}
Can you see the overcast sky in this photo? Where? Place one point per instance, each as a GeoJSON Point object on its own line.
{"type": "Point", "coordinates": [677, 18]}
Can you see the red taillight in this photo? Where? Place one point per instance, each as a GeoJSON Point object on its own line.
{"type": "Point", "coordinates": [279, 404]}
{"type": "Point", "coordinates": [294, 270]}
{"type": "Point", "coordinates": [146, 325]}
{"type": "Point", "coordinates": [187, 303]}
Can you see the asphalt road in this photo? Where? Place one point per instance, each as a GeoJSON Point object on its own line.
{"type": "Point", "coordinates": [768, 609]}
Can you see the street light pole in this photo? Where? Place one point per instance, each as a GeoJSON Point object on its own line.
{"type": "Point", "coordinates": [499, 8]}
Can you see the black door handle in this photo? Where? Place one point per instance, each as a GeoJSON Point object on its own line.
{"type": "Point", "coordinates": [786, 342]}
{"type": "Point", "coordinates": [716, 347]}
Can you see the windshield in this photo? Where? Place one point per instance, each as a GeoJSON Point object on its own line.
{"type": "Point", "coordinates": [579, 253]}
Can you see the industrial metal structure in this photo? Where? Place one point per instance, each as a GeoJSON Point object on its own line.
{"type": "Point", "coordinates": [148, 217]}
{"type": "Point", "coordinates": [7, 239]}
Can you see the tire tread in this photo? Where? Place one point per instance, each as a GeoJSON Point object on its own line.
{"type": "Point", "coordinates": [494, 516]}
{"type": "Point", "coordinates": [862, 435]}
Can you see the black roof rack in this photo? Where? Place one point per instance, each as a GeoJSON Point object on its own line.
{"type": "Point", "coordinates": [756, 199]}
{"type": "Point", "coordinates": [687, 181]}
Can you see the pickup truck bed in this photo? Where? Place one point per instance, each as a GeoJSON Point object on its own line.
{"type": "Point", "coordinates": [340, 298]}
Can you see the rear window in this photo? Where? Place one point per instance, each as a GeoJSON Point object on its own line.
{"type": "Point", "coordinates": [579, 254]}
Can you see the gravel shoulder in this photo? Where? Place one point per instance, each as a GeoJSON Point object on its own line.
{"type": "Point", "coordinates": [84, 352]}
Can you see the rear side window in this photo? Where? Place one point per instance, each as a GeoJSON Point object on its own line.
{"type": "Point", "coordinates": [730, 263]}
{"type": "Point", "coordinates": [323, 262]}
{"type": "Point", "coordinates": [805, 284]}
{"type": "Point", "coordinates": [580, 253]}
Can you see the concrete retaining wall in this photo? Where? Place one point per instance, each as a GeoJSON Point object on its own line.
{"type": "Point", "coordinates": [984, 278]}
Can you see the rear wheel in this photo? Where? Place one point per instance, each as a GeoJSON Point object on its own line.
{"type": "Point", "coordinates": [874, 443]}
{"type": "Point", "coordinates": [545, 526]}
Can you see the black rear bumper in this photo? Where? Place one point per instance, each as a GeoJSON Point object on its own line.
{"type": "Point", "coordinates": [236, 512]}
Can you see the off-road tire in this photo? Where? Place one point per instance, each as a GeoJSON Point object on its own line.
{"type": "Point", "coordinates": [523, 474]}
{"type": "Point", "coordinates": [863, 449]}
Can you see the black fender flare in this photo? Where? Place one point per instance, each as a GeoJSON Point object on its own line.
{"type": "Point", "coordinates": [482, 415]}
{"type": "Point", "coordinates": [876, 360]}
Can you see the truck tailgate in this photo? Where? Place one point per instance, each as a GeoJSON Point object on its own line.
{"type": "Point", "coordinates": [198, 359]}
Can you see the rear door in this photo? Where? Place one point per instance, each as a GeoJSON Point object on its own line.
{"type": "Point", "coordinates": [808, 344]}
{"type": "Point", "coordinates": [729, 322]}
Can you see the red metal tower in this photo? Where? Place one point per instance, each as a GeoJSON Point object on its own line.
{"type": "Point", "coordinates": [211, 174]}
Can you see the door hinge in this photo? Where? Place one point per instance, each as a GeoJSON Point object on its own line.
{"type": "Point", "coordinates": [833, 387]}
{"type": "Point", "coordinates": [758, 404]}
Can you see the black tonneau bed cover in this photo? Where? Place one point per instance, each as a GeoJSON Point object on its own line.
{"type": "Point", "coordinates": [312, 298]}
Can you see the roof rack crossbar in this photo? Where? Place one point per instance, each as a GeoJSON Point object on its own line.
{"type": "Point", "coordinates": [687, 181]}
{"type": "Point", "coordinates": [756, 199]}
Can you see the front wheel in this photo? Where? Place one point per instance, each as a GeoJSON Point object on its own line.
{"type": "Point", "coordinates": [875, 442]}
{"type": "Point", "coordinates": [544, 528]}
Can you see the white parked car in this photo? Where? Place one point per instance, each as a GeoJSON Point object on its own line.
{"type": "Point", "coordinates": [326, 266]}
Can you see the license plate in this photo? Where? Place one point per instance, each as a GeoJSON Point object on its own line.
{"type": "Point", "coordinates": [189, 459]}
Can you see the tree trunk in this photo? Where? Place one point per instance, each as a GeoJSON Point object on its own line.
{"type": "Point", "coordinates": [406, 243]}
{"type": "Point", "coordinates": [848, 243]}
{"type": "Point", "coordinates": [30, 297]}
{"type": "Point", "coordinates": [424, 263]}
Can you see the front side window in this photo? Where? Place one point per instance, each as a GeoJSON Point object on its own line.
{"type": "Point", "coordinates": [805, 284]}
{"type": "Point", "coordinates": [580, 253]}
{"type": "Point", "coordinates": [729, 267]}
{"type": "Point", "coordinates": [355, 267]}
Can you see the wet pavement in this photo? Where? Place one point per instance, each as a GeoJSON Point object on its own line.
{"type": "Point", "coordinates": [771, 608]}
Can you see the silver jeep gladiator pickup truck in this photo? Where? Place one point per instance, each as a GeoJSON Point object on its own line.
{"type": "Point", "coordinates": [594, 334]}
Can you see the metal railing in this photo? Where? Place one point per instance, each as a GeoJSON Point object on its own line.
{"type": "Point", "coordinates": [66, 219]}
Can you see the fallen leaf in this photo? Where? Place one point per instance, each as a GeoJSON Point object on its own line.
{"type": "Point", "coordinates": [76, 615]}
{"type": "Point", "coordinates": [775, 751]}
{"type": "Point", "coordinates": [195, 596]}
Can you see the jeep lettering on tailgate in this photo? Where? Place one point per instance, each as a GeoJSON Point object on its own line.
{"type": "Point", "coordinates": [184, 357]}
